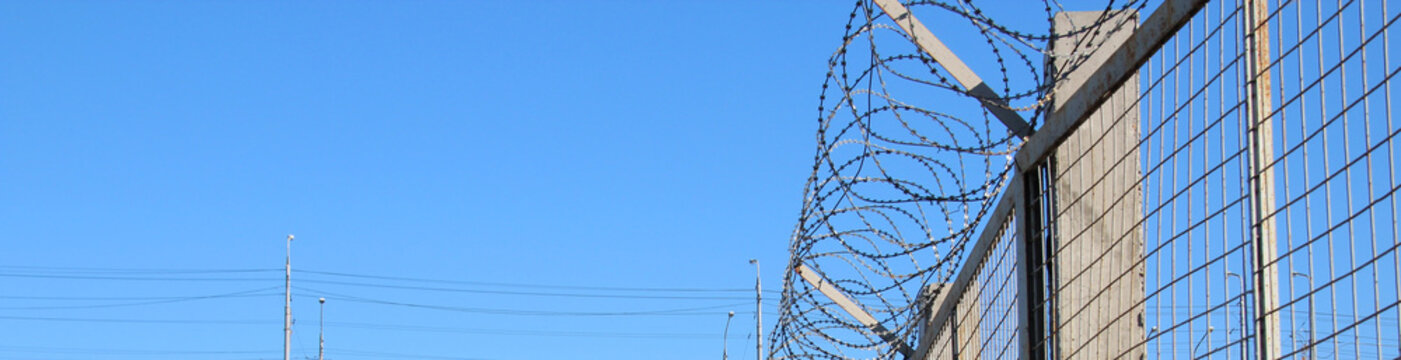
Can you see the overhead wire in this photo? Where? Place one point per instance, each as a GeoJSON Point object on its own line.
{"type": "Point", "coordinates": [379, 327]}
{"type": "Point", "coordinates": [116, 351]}
{"type": "Point", "coordinates": [62, 269]}
{"type": "Point", "coordinates": [689, 311]}
{"type": "Point", "coordinates": [527, 293]}
{"type": "Point", "coordinates": [360, 280]}
{"type": "Point", "coordinates": [516, 332]}
{"type": "Point", "coordinates": [394, 355]}
{"type": "Point", "coordinates": [138, 321]}
{"type": "Point", "coordinates": [237, 294]}
{"type": "Point", "coordinates": [523, 285]}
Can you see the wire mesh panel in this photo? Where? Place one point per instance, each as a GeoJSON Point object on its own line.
{"type": "Point", "coordinates": [1164, 184]}
{"type": "Point", "coordinates": [1266, 216]}
{"type": "Point", "coordinates": [1097, 275]}
{"type": "Point", "coordinates": [1336, 188]}
{"type": "Point", "coordinates": [983, 322]}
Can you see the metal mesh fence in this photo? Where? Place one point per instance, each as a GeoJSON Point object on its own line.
{"type": "Point", "coordinates": [1231, 195]}
{"type": "Point", "coordinates": [985, 322]}
{"type": "Point", "coordinates": [1241, 204]}
{"type": "Point", "coordinates": [1336, 180]}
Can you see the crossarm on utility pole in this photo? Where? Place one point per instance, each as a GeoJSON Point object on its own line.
{"type": "Point", "coordinates": [852, 308]}
{"type": "Point", "coordinates": [975, 86]}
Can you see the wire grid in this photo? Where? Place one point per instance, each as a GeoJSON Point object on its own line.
{"type": "Point", "coordinates": [1171, 261]}
{"type": "Point", "coordinates": [1331, 205]}
{"type": "Point", "coordinates": [1336, 179]}
{"type": "Point", "coordinates": [984, 324]}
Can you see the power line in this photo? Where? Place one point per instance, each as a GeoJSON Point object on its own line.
{"type": "Point", "coordinates": [392, 355]}
{"type": "Point", "coordinates": [522, 312]}
{"type": "Point", "coordinates": [516, 332]}
{"type": "Point", "coordinates": [526, 285]}
{"type": "Point", "coordinates": [93, 298]}
{"type": "Point", "coordinates": [131, 278]}
{"type": "Point", "coordinates": [377, 326]}
{"type": "Point", "coordinates": [135, 274]}
{"type": "Point", "coordinates": [136, 321]}
{"type": "Point", "coordinates": [109, 351]}
{"type": "Point", "coordinates": [245, 293]}
{"type": "Point", "coordinates": [526, 293]}
{"type": "Point", "coordinates": [132, 270]}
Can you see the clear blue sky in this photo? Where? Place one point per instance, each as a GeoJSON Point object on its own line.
{"type": "Point", "coordinates": [591, 144]}
{"type": "Point", "coordinates": [466, 179]}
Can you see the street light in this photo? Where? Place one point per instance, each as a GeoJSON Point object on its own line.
{"type": "Point", "coordinates": [321, 347]}
{"type": "Point", "coordinates": [758, 312]}
{"type": "Point", "coordinates": [1242, 312]}
{"type": "Point", "coordinates": [1209, 329]}
{"type": "Point", "coordinates": [726, 351]}
{"type": "Point", "coordinates": [1312, 354]}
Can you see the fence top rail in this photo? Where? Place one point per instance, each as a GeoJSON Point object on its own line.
{"type": "Point", "coordinates": [1125, 61]}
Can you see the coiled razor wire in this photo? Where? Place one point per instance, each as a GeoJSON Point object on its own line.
{"type": "Point", "coordinates": [907, 167]}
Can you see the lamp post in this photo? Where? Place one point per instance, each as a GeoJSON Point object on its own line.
{"type": "Point", "coordinates": [1209, 329]}
{"type": "Point", "coordinates": [1312, 354]}
{"type": "Point", "coordinates": [758, 312]}
{"type": "Point", "coordinates": [1242, 312]}
{"type": "Point", "coordinates": [321, 346]}
{"type": "Point", "coordinates": [287, 317]}
{"type": "Point", "coordinates": [725, 352]}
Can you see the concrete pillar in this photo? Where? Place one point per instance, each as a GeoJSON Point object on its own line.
{"type": "Point", "coordinates": [1099, 302]}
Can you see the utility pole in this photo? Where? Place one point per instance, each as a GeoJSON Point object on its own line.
{"type": "Point", "coordinates": [287, 317]}
{"type": "Point", "coordinates": [758, 312]}
{"type": "Point", "coordinates": [321, 343]}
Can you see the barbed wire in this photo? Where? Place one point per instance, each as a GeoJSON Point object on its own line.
{"type": "Point", "coordinates": [907, 167]}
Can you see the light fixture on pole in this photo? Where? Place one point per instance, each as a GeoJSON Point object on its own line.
{"type": "Point", "coordinates": [321, 344]}
{"type": "Point", "coordinates": [1312, 354]}
{"type": "Point", "coordinates": [725, 352]}
{"type": "Point", "coordinates": [1209, 329]}
{"type": "Point", "coordinates": [287, 317]}
{"type": "Point", "coordinates": [758, 312]}
{"type": "Point", "coordinates": [1242, 311]}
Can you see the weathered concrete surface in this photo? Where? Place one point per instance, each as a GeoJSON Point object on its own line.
{"type": "Point", "coordinates": [1098, 203]}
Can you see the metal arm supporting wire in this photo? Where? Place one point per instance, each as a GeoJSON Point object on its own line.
{"type": "Point", "coordinates": [941, 54]}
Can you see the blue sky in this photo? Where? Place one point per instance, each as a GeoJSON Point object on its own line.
{"type": "Point", "coordinates": [610, 144]}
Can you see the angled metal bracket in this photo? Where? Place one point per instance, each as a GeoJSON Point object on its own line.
{"type": "Point", "coordinates": [852, 308]}
{"type": "Point", "coordinates": [975, 86]}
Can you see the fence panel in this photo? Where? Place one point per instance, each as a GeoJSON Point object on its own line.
{"type": "Point", "coordinates": [1336, 168]}
{"type": "Point", "coordinates": [1151, 212]}
{"type": "Point", "coordinates": [1193, 213]}
{"type": "Point", "coordinates": [984, 321]}
{"type": "Point", "coordinates": [1230, 193]}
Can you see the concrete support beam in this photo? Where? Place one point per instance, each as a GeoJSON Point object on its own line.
{"type": "Point", "coordinates": [852, 308]}
{"type": "Point", "coordinates": [1098, 286]}
{"type": "Point", "coordinates": [929, 44]}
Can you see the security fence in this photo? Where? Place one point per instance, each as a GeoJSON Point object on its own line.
{"type": "Point", "coordinates": [1218, 179]}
